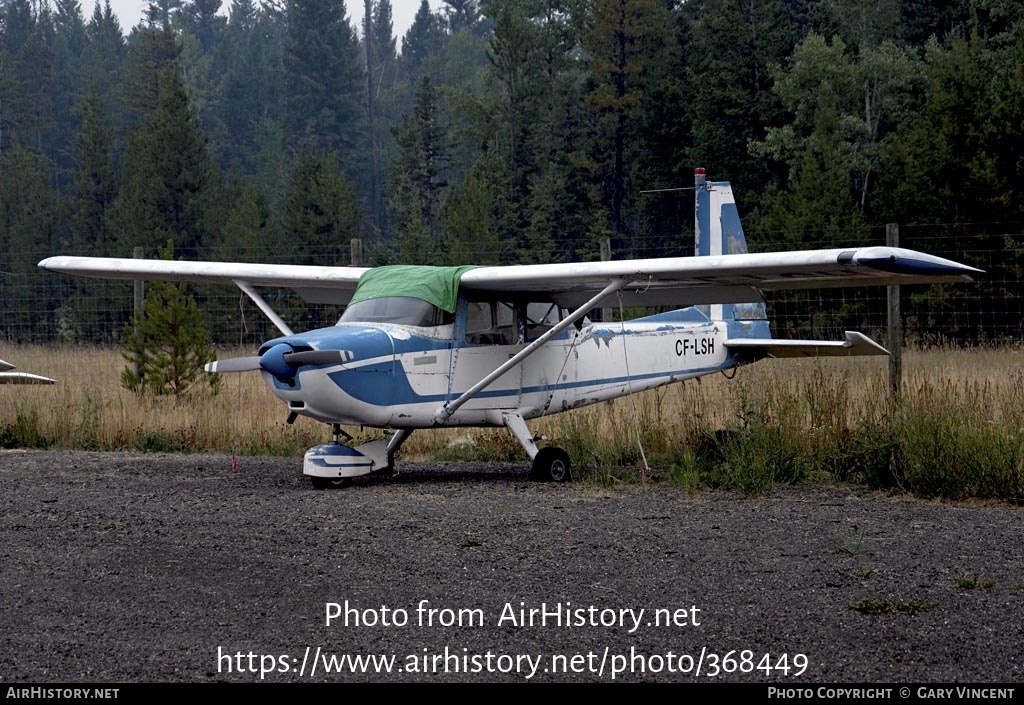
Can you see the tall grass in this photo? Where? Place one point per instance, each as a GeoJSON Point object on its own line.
{"type": "Point", "coordinates": [957, 429]}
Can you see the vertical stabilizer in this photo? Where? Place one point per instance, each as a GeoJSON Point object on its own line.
{"type": "Point", "coordinates": [717, 222]}
{"type": "Point", "coordinates": [718, 231]}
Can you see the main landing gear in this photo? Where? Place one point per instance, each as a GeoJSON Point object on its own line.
{"type": "Point", "coordinates": [550, 464]}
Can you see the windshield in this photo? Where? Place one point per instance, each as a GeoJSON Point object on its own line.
{"type": "Point", "coordinates": [402, 310]}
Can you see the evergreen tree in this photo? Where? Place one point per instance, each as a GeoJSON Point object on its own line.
{"type": "Point", "coordinates": [91, 196]}
{"type": "Point", "coordinates": [324, 82]}
{"type": "Point", "coordinates": [26, 48]}
{"type": "Point", "coordinates": [93, 187]}
{"type": "Point", "coordinates": [730, 48]}
{"type": "Point", "coordinates": [321, 212]}
{"type": "Point", "coordinates": [200, 18]}
{"type": "Point", "coordinates": [162, 13]}
{"type": "Point", "coordinates": [151, 51]}
{"type": "Point", "coordinates": [169, 182]}
{"type": "Point", "coordinates": [103, 60]}
{"type": "Point", "coordinates": [419, 183]}
{"type": "Point", "coordinates": [167, 345]}
{"type": "Point", "coordinates": [422, 40]}
{"type": "Point", "coordinates": [385, 53]}
{"type": "Point", "coordinates": [461, 15]}
{"type": "Point", "coordinates": [624, 45]}
{"type": "Point", "coordinates": [68, 48]}
{"type": "Point", "coordinates": [248, 232]}
{"type": "Point", "coordinates": [945, 161]}
{"type": "Point", "coordinates": [250, 89]}
{"type": "Point", "coordinates": [28, 231]}
{"type": "Point", "coordinates": [469, 233]}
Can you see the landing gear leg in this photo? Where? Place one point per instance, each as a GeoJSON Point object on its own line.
{"type": "Point", "coordinates": [549, 464]}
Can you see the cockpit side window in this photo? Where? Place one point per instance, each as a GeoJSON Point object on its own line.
{"type": "Point", "coordinates": [491, 323]}
{"type": "Point", "coordinates": [541, 317]}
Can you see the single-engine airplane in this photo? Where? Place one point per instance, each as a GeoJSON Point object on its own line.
{"type": "Point", "coordinates": [8, 377]}
{"type": "Point", "coordinates": [425, 347]}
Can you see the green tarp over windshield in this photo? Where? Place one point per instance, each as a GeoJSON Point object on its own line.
{"type": "Point", "coordinates": [436, 285]}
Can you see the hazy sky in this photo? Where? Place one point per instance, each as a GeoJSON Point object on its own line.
{"type": "Point", "coordinates": [129, 12]}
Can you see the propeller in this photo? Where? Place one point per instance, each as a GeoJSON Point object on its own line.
{"type": "Point", "coordinates": [234, 364]}
{"type": "Point", "coordinates": [281, 361]}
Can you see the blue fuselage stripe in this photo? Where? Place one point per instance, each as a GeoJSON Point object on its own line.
{"type": "Point", "coordinates": [404, 394]}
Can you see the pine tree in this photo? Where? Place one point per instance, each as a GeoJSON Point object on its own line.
{"type": "Point", "coordinates": [68, 48]}
{"type": "Point", "coordinates": [249, 90]}
{"type": "Point", "coordinates": [419, 186]}
{"type": "Point", "coordinates": [103, 61]}
{"type": "Point", "coordinates": [167, 345]}
{"type": "Point", "coordinates": [422, 40]}
{"type": "Point", "coordinates": [324, 82]}
{"type": "Point", "coordinates": [624, 45]}
{"type": "Point", "coordinates": [90, 200]}
{"type": "Point", "coordinates": [731, 48]}
{"type": "Point", "coordinates": [169, 183]}
{"type": "Point", "coordinates": [26, 100]}
{"type": "Point", "coordinates": [321, 212]}
{"type": "Point", "coordinates": [28, 230]}
{"type": "Point", "coordinates": [469, 232]}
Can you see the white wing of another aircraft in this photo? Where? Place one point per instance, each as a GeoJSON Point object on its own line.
{"type": "Point", "coordinates": [8, 377]}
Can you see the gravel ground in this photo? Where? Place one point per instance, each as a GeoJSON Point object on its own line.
{"type": "Point", "coordinates": [132, 567]}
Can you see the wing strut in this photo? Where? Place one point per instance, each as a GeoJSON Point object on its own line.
{"type": "Point", "coordinates": [445, 412]}
{"type": "Point", "coordinates": [263, 306]}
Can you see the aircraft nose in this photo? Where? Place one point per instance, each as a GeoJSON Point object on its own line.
{"type": "Point", "coordinates": [273, 361]}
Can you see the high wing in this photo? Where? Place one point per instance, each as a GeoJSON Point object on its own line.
{"type": "Point", "coordinates": [675, 281]}
{"type": "Point", "coordinates": [686, 281]}
{"type": "Point", "coordinates": [318, 285]}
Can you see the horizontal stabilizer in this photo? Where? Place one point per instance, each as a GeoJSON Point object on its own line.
{"type": "Point", "coordinates": [23, 378]}
{"type": "Point", "coordinates": [234, 364]}
{"type": "Point", "coordinates": [855, 344]}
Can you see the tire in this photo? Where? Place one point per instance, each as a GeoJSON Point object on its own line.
{"type": "Point", "coordinates": [328, 483]}
{"type": "Point", "coordinates": [551, 465]}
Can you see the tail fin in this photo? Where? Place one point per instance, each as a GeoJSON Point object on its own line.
{"type": "Point", "coordinates": [717, 222]}
{"type": "Point", "coordinates": [718, 231]}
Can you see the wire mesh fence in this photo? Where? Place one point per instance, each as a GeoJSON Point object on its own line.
{"type": "Point", "coordinates": [41, 307]}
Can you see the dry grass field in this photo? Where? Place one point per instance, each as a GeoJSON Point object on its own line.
{"type": "Point", "coordinates": [955, 432]}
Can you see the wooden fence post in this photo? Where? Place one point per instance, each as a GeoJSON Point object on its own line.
{"type": "Point", "coordinates": [892, 239]}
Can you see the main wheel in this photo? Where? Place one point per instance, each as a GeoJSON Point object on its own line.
{"type": "Point", "coordinates": [551, 465]}
{"type": "Point", "coordinates": [327, 483]}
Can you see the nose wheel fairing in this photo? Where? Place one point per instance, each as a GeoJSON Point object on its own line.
{"type": "Point", "coordinates": [336, 460]}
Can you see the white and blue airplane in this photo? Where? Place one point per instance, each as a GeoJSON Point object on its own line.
{"type": "Point", "coordinates": [428, 347]}
{"type": "Point", "coordinates": [8, 377]}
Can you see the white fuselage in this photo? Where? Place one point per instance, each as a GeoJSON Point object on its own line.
{"type": "Point", "coordinates": [401, 376]}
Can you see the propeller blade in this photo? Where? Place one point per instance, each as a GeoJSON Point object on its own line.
{"type": "Point", "coordinates": [234, 364]}
{"type": "Point", "coordinates": [4, 366]}
{"type": "Point", "coordinates": [318, 357]}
